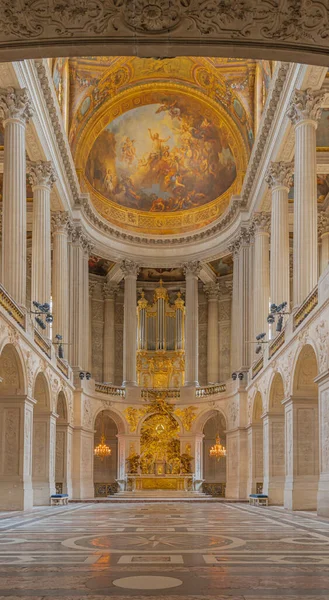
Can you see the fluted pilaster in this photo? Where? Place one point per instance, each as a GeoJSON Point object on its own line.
{"type": "Point", "coordinates": [15, 110]}
{"type": "Point", "coordinates": [60, 279]}
{"type": "Point", "coordinates": [192, 270]}
{"type": "Point", "coordinates": [130, 271]}
{"type": "Point", "coordinates": [109, 293]}
{"type": "Point", "coordinates": [261, 271]}
{"type": "Point", "coordinates": [42, 178]}
{"type": "Point", "coordinates": [279, 180]}
{"type": "Point", "coordinates": [212, 292]}
{"type": "Point", "coordinates": [304, 112]}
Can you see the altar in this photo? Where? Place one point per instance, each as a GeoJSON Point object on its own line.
{"type": "Point", "coordinates": [160, 482]}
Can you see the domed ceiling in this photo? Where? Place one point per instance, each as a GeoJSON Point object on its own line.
{"type": "Point", "coordinates": [161, 145]}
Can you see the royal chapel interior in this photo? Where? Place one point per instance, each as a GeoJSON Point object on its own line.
{"type": "Point", "coordinates": [164, 300]}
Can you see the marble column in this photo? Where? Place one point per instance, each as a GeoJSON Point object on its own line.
{"type": "Point", "coordinates": [261, 274]}
{"type": "Point", "coordinates": [79, 250]}
{"type": "Point", "coordinates": [130, 271]}
{"type": "Point", "coordinates": [323, 231]}
{"type": "Point", "coordinates": [279, 180]}
{"type": "Point", "coordinates": [109, 292]}
{"type": "Point", "coordinates": [302, 453]}
{"type": "Point", "coordinates": [304, 112]}
{"type": "Point", "coordinates": [60, 275]}
{"type": "Point", "coordinates": [211, 291]}
{"type": "Point", "coordinates": [15, 110]}
{"type": "Point", "coordinates": [16, 426]}
{"type": "Point", "coordinates": [191, 270]}
{"type": "Point", "coordinates": [41, 176]}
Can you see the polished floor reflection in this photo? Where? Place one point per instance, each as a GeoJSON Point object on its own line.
{"type": "Point", "coordinates": [174, 550]}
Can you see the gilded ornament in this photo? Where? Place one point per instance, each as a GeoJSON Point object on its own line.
{"type": "Point", "coordinates": [187, 416]}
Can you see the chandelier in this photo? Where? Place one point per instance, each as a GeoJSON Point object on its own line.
{"type": "Point", "coordinates": [217, 450]}
{"type": "Point", "coordinates": [102, 450]}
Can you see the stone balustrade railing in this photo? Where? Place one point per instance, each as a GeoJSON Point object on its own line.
{"type": "Point", "coordinates": [43, 343]}
{"type": "Point", "coordinates": [275, 344]}
{"type": "Point", "coordinates": [306, 308]}
{"type": "Point", "coordinates": [152, 393]}
{"type": "Point", "coordinates": [257, 367]}
{"type": "Point", "coordinates": [210, 390]}
{"type": "Point", "coordinates": [111, 390]}
{"type": "Point", "coordinates": [11, 307]}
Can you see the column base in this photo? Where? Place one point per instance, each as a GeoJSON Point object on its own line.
{"type": "Point", "coordinates": [301, 494]}
{"type": "Point", "coordinates": [323, 496]}
{"type": "Point", "coordinates": [274, 489]}
{"type": "Point", "coordinates": [42, 490]}
{"type": "Point", "coordinates": [16, 496]}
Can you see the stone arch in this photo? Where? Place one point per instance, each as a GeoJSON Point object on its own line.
{"type": "Point", "coordinates": [201, 420]}
{"type": "Point", "coordinates": [117, 418]}
{"type": "Point", "coordinates": [106, 469]}
{"type": "Point", "coordinates": [61, 407]}
{"type": "Point", "coordinates": [12, 371]}
{"type": "Point", "coordinates": [45, 33]}
{"type": "Point", "coordinates": [305, 371]}
{"type": "Point", "coordinates": [41, 392]}
{"type": "Point", "coordinates": [276, 394]}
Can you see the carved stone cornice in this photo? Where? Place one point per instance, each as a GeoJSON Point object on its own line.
{"type": "Point", "coordinates": [60, 222]}
{"type": "Point", "coordinates": [41, 173]}
{"type": "Point", "coordinates": [280, 174]}
{"type": "Point", "coordinates": [262, 222]}
{"type": "Point", "coordinates": [192, 268]}
{"type": "Point", "coordinates": [129, 268]}
{"type": "Point", "coordinates": [110, 290]}
{"type": "Point", "coordinates": [15, 104]}
{"type": "Point", "coordinates": [323, 223]}
{"type": "Point", "coordinates": [306, 105]}
{"type": "Point", "coordinates": [211, 289]}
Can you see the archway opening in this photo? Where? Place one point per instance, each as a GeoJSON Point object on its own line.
{"type": "Point", "coordinates": [214, 470]}
{"type": "Point", "coordinates": [274, 443]}
{"type": "Point", "coordinates": [256, 447]}
{"type": "Point", "coordinates": [62, 446]}
{"type": "Point", "coordinates": [106, 468]}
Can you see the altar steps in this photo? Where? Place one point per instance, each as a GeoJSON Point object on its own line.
{"type": "Point", "coordinates": [157, 496]}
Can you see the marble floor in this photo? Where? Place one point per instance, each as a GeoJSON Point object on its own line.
{"type": "Point", "coordinates": [180, 551]}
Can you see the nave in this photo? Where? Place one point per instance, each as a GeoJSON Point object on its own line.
{"type": "Point", "coordinates": [177, 550]}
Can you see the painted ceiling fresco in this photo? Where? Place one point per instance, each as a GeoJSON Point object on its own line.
{"type": "Point", "coordinates": [154, 275]}
{"type": "Point", "coordinates": [222, 266]}
{"type": "Point", "coordinates": [148, 157]}
{"type": "Point", "coordinates": [99, 266]}
{"type": "Point", "coordinates": [160, 144]}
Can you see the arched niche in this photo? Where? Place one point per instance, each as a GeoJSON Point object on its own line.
{"type": "Point", "coordinates": [63, 447]}
{"type": "Point", "coordinates": [61, 408]}
{"type": "Point", "coordinates": [11, 372]}
{"type": "Point", "coordinates": [276, 394]}
{"type": "Point", "coordinates": [214, 471]}
{"type": "Point", "coordinates": [106, 469]}
{"type": "Point", "coordinates": [44, 443]}
{"type": "Point", "coordinates": [306, 370]}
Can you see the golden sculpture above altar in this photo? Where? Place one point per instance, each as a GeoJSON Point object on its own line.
{"type": "Point", "coordinates": [160, 354]}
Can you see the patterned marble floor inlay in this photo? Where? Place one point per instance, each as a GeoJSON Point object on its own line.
{"type": "Point", "coordinates": [181, 551]}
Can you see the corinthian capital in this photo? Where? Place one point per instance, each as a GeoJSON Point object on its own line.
{"type": "Point", "coordinates": [41, 173]}
{"type": "Point", "coordinates": [60, 222]}
{"type": "Point", "coordinates": [211, 290]}
{"type": "Point", "coordinates": [279, 174]}
{"type": "Point", "coordinates": [306, 105]}
{"type": "Point", "coordinates": [262, 222]}
{"type": "Point", "coordinates": [192, 268]}
{"type": "Point", "coordinates": [15, 104]}
{"type": "Point", "coordinates": [110, 290]}
{"type": "Point", "coordinates": [129, 268]}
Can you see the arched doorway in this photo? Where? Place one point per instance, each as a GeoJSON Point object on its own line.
{"type": "Point", "coordinates": [44, 441]}
{"type": "Point", "coordinates": [302, 435]}
{"type": "Point", "coordinates": [16, 420]}
{"type": "Point", "coordinates": [214, 470]}
{"type": "Point", "coordinates": [106, 469]}
{"type": "Point", "coordinates": [63, 479]}
{"type": "Point", "coordinates": [274, 443]}
{"type": "Point", "coordinates": [255, 447]}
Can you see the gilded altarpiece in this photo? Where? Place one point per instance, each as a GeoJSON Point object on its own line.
{"type": "Point", "coordinates": [161, 353]}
